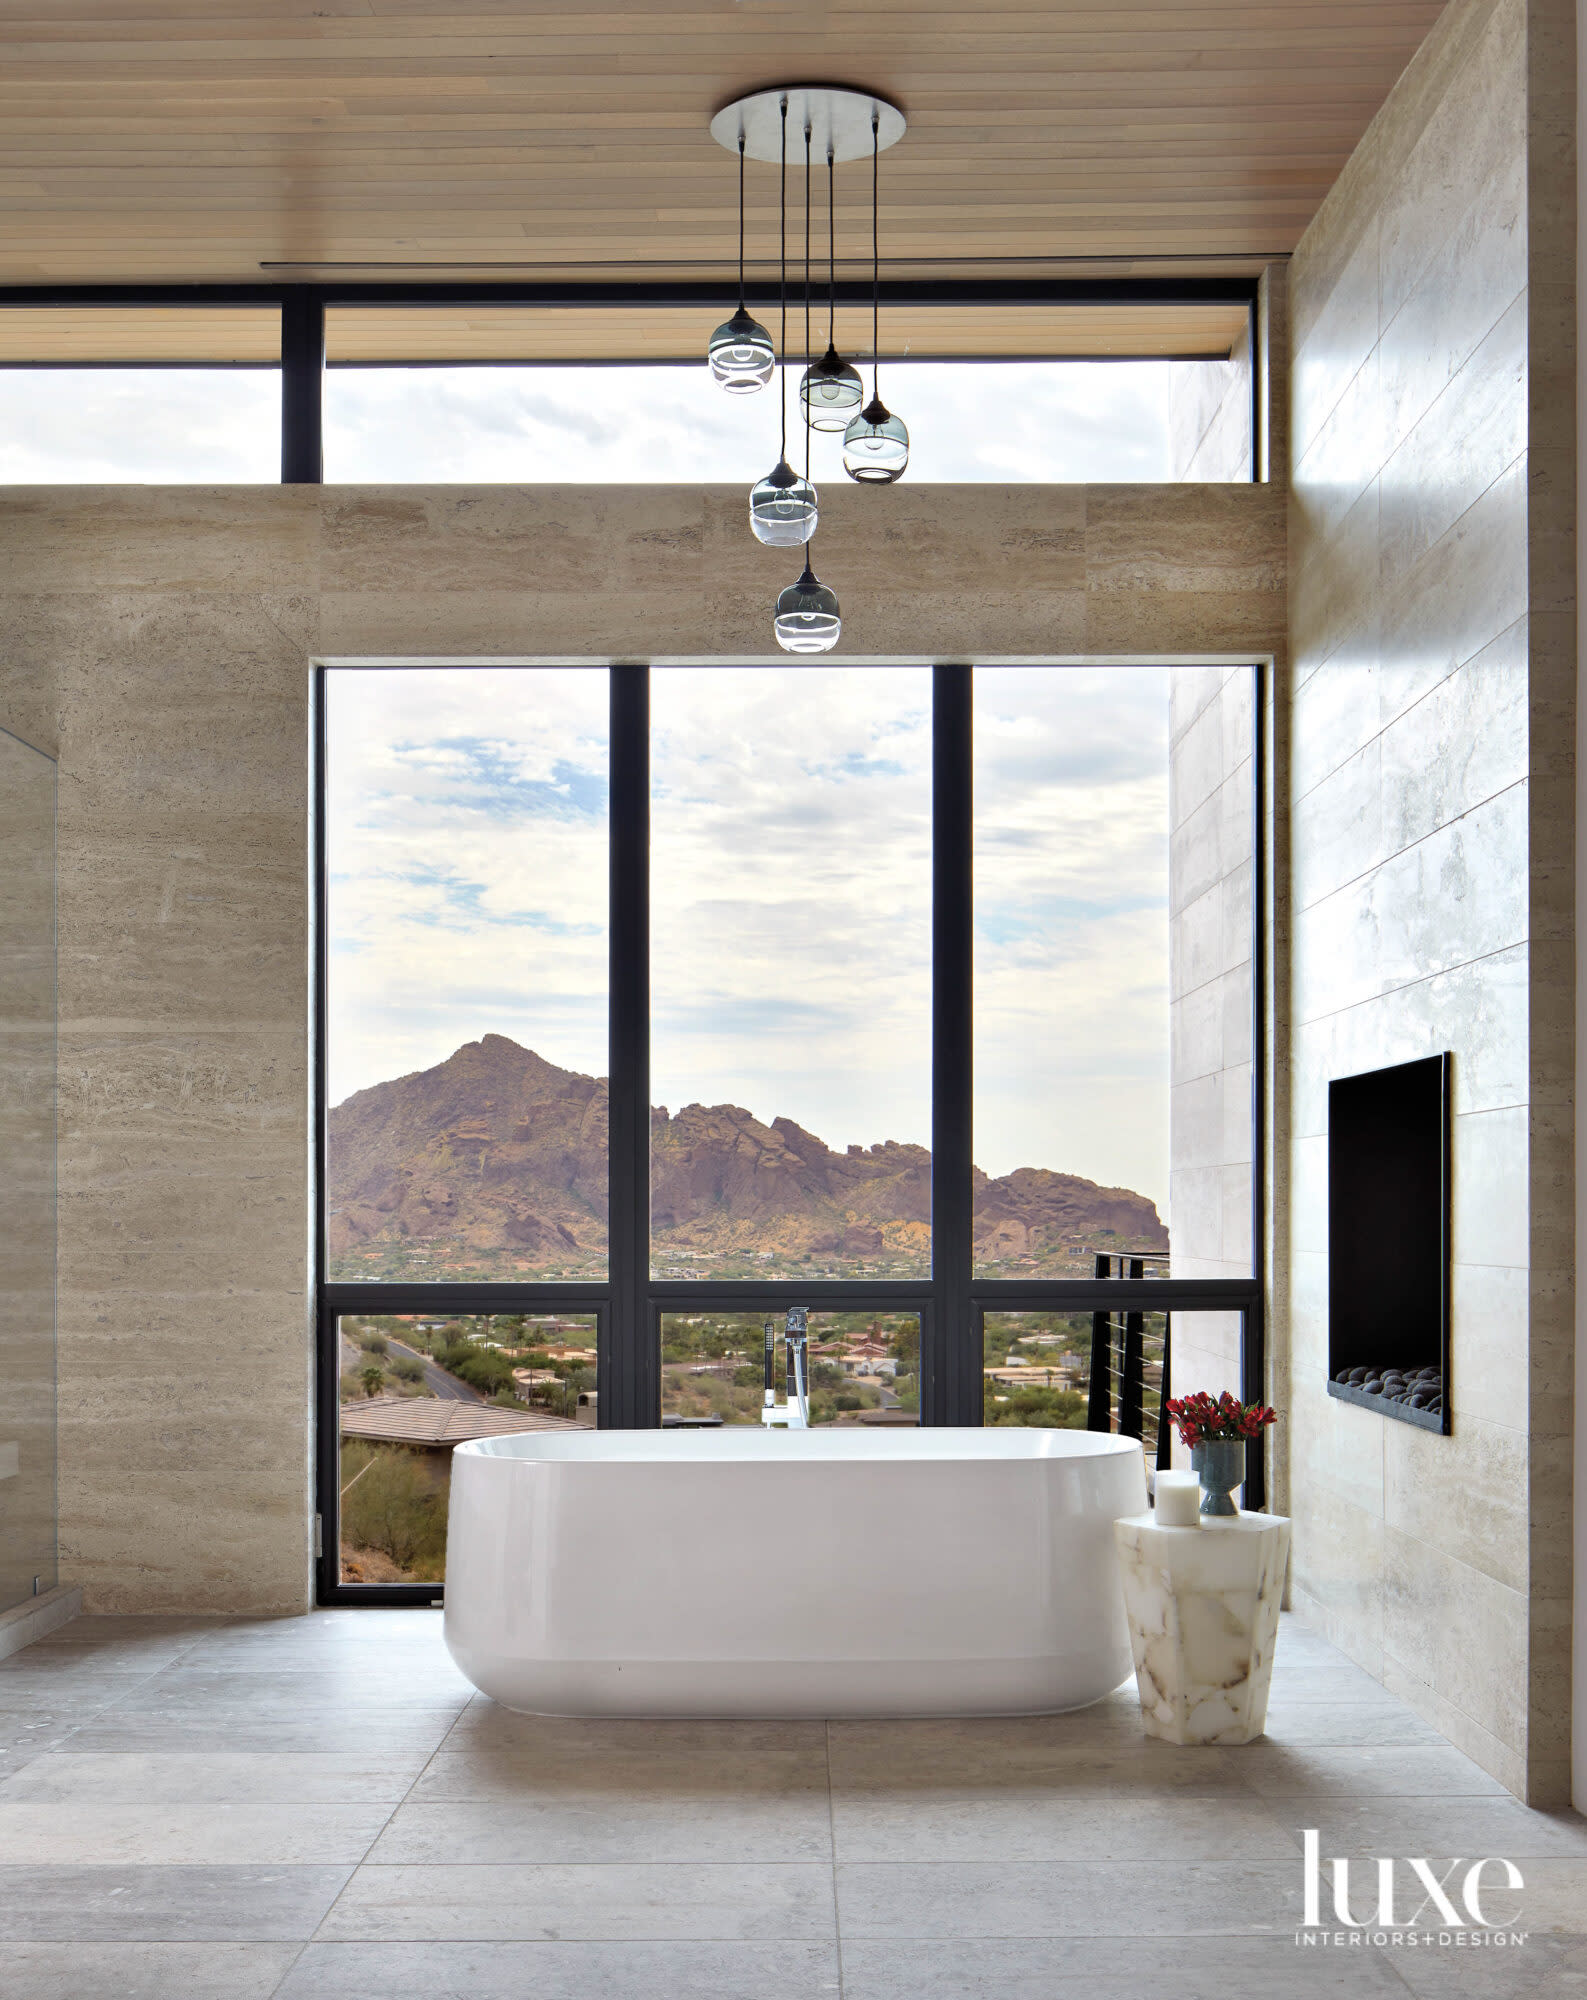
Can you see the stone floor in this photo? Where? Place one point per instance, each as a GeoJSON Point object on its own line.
{"type": "Point", "coordinates": [320, 1809]}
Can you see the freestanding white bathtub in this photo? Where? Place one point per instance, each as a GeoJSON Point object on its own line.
{"type": "Point", "coordinates": [829, 1572]}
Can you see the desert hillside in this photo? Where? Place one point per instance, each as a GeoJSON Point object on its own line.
{"type": "Point", "coordinates": [493, 1164]}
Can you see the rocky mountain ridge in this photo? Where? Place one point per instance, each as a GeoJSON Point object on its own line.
{"type": "Point", "coordinates": [494, 1164]}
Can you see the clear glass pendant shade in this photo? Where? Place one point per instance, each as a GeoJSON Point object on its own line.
{"type": "Point", "coordinates": [807, 619]}
{"type": "Point", "coordinates": [782, 508]}
{"type": "Point", "coordinates": [876, 445]}
{"type": "Point", "coordinates": [830, 393]}
{"type": "Point", "coordinates": [741, 355]}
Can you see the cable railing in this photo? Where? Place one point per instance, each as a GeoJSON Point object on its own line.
{"type": "Point", "coordinates": [1130, 1360]}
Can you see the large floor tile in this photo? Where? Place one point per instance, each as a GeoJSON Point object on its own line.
{"type": "Point", "coordinates": [196, 1688]}
{"type": "Point", "coordinates": [170, 1905]}
{"type": "Point", "coordinates": [616, 1766]}
{"type": "Point", "coordinates": [1278, 1770]}
{"type": "Point", "coordinates": [66, 1777]}
{"type": "Point", "coordinates": [905, 1755]}
{"type": "Point", "coordinates": [607, 1826]}
{"type": "Point", "coordinates": [305, 1732]}
{"type": "Point", "coordinates": [1066, 1899]}
{"type": "Point", "coordinates": [572, 1740]}
{"type": "Point", "coordinates": [1546, 1967]}
{"type": "Point", "coordinates": [143, 1971]}
{"type": "Point", "coordinates": [1316, 1724]}
{"type": "Point", "coordinates": [1469, 1827]}
{"type": "Point", "coordinates": [716, 1970]}
{"type": "Point", "coordinates": [1115, 1968]}
{"type": "Point", "coordinates": [1036, 1823]}
{"type": "Point", "coordinates": [99, 1834]}
{"type": "Point", "coordinates": [502, 1902]}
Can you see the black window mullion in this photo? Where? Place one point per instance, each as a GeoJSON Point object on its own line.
{"type": "Point", "coordinates": [630, 1364]}
{"type": "Point", "coordinates": [951, 1370]}
{"type": "Point", "coordinates": [302, 388]}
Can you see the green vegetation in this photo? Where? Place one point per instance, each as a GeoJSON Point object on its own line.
{"type": "Point", "coordinates": [1045, 1409]}
{"type": "Point", "coordinates": [713, 1365]}
{"type": "Point", "coordinates": [373, 1379]}
{"type": "Point", "coordinates": [394, 1503]}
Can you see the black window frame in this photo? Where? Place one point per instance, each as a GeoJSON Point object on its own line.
{"type": "Point", "coordinates": [628, 1305]}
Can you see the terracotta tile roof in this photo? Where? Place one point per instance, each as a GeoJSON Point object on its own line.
{"type": "Point", "coordinates": [430, 1420]}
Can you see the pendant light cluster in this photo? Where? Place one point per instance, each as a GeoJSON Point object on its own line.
{"type": "Point", "coordinates": [784, 506]}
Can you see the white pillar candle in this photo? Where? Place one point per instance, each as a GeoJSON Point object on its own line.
{"type": "Point", "coordinates": [1178, 1500]}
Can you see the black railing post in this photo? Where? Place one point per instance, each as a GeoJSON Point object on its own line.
{"type": "Point", "coordinates": [1165, 1430]}
{"type": "Point", "coordinates": [1099, 1390]}
{"type": "Point", "coordinates": [302, 388]}
{"type": "Point", "coordinates": [630, 1370]}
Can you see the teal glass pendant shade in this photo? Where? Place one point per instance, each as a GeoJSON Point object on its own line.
{"type": "Point", "coordinates": [830, 393]}
{"type": "Point", "coordinates": [808, 619]}
{"type": "Point", "coordinates": [741, 354]}
{"type": "Point", "coordinates": [782, 508]}
{"type": "Point", "coordinates": [875, 445]}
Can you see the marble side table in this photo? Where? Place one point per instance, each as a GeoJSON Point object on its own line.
{"type": "Point", "coordinates": [1202, 1605]}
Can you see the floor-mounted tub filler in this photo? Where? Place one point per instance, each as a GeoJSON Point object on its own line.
{"type": "Point", "coordinates": [827, 1572]}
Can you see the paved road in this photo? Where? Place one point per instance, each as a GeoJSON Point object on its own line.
{"type": "Point", "coordinates": [447, 1387]}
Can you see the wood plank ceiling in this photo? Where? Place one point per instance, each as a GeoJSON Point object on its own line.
{"type": "Point", "coordinates": [159, 140]}
{"type": "Point", "coordinates": [251, 336]}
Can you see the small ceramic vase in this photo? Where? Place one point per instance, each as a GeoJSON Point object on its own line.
{"type": "Point", "coordinates": [1220, 1466]}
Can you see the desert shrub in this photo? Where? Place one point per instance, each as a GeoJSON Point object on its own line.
{"type": "Point", "coordinates": [394, 1502]}
{"type": "Point", "coordinates": [372, 1342]}
{"type": "Point", "coordinates": [406, 1369]}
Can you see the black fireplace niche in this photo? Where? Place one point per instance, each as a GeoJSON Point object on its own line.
{"type": "Point", "coordinates": [1388, 1241]}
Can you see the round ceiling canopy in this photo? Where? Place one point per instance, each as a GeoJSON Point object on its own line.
{"type": "Point", "coordinates": [837, 118]}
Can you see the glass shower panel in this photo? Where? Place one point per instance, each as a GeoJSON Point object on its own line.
{"type": "Point", "coordinates": [27, 1171]}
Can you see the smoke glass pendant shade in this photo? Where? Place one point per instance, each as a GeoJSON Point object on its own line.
{"type": "Point", "coordinates": [782, 508]}
{"type": "Point", "coordinates": [808, 619]}
{"type": "Point", "coordinates": [741, 355]}
{"type": "Point", "coordinates": [830, 393]}
{"type": "Point", "coordinates": [876, 445]}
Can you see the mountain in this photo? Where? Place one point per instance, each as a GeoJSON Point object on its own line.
{"type": "Point", "coordinates": [494, 1164]}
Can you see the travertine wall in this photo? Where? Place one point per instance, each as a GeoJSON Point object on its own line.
{"type": "Point", "coordinates": [1212, 860]}
{"type": "Point", "coordinates": [166, 635]}
{"type": "Point", "coordinates": [1431, 618]}
{"type": "Point", "coordinates": [1213, 820]}
{"type": "Point", "coordinates": [1210, 413]}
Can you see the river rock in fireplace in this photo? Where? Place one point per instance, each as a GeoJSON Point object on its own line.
{"type": "Point", "coordinates": [1420, 1388]}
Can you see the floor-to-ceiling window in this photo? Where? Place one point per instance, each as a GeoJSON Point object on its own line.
{"type": "Point", "coordinates": [657, 1001]}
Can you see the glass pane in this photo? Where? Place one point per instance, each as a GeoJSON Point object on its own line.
{"type": "Point", "coordinates": [864, 1367]}
{"type": "Point", "coordinates": [1113, 886]}
{"type": "Point", "coordinates": [1037, 1368]}
{"type": "Point", "coordinates": [669, 424]}
{"type": "Point", "coordinates": [466, 831]}
{"type": "Point", "coordinates": [154, 426]}
{"type": "Point", "coordinates": [790, 972]}
{"type": "Point", "coordinates": [27, 1171]}
{"type": "Point", "coordinates": [413, 1387]}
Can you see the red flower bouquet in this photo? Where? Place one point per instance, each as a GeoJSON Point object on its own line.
{"type": "Point", "coordinates": [1201, 1420]}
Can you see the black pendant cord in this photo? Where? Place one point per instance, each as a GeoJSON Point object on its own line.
{"type": "Point", "coordinates": [782, 287]}
{"type": "Point", "coordinates": [832, 258]}
{"type": "Point", "coordinates": [802, 403]}
{"type": "Point", "coordinates": [876, 260]}
{"type": "Point", "coordinates": [741, 219]}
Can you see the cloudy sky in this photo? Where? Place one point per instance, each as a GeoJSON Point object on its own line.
{"type": "Point", "coordinates": [791, 894]}
{"type": "Point", "coordinates": [992, 421]}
